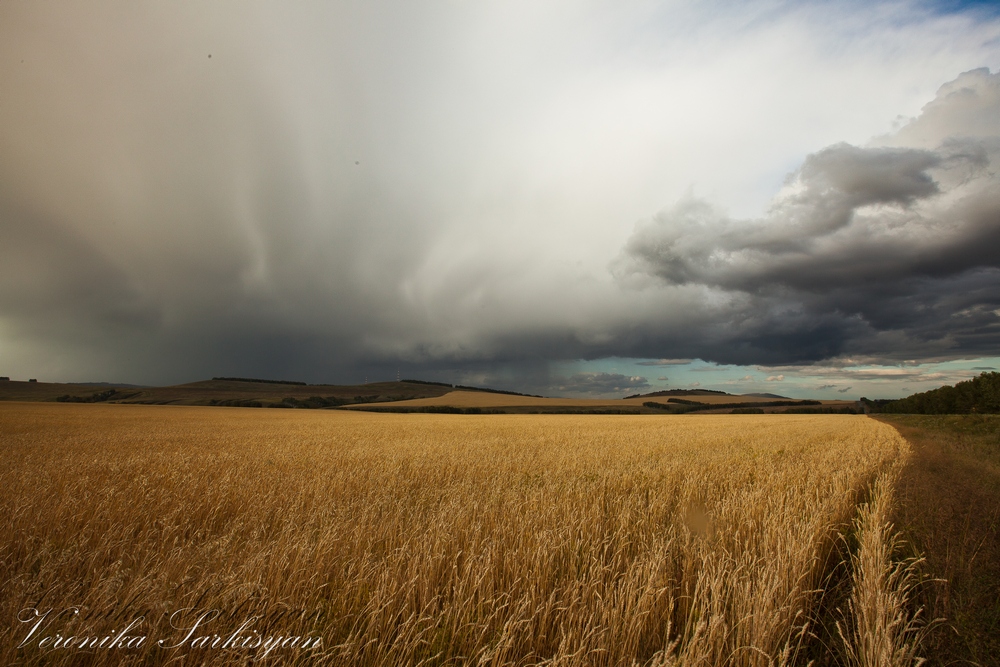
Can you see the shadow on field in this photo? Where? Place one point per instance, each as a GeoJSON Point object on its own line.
{"type": "Point", "coordinates": [949, 511]}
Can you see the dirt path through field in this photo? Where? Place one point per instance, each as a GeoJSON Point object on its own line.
{"type": "Point", "coordinates": [949, 510]}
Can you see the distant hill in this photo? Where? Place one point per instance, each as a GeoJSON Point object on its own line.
{"type": "Point", "coordinates": [404, 396]}
{"type": "Point", "coordinates": [261, 381]}
{"type": "Point", "coordinates": [463, 387]}
{"type": "Point", "coordinates": [684, 392]}
{"type": "Point", "coordinates": [766, 396]}
{"type": "Point", "coordinates": [978, 395]}
{"type": "Point", "coordinates": [234, 392]}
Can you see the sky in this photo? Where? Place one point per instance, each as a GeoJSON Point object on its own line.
{"type": "Point", "coordinates": [581, 198]}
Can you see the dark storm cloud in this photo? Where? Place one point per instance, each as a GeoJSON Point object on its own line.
{"type": "Point", "coordinates": [44, 267]}
{"type": "Point", "coordinates": [886, 250]}
{"type": "Point", "coordinates": [347, 189]}
{"type": "Point", "coordinates": [158, 218]}
{"type": "Point", "coordinates": [853, 217]}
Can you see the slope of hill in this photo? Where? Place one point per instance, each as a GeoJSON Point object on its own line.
{"type": "Point", "coordinates": [681, 392]}
{"type": "Point", "coordinates": [229, 392]}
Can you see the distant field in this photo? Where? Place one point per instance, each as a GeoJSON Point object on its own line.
{"type": "Point", "coordinates": [399, 396]}
{"type": "Point", "coordinates": [473, 399]}
{"type": "Point", "coordinates": [438, 539]}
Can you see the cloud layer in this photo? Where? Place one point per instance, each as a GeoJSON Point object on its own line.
{"type": "Point", "coordinates": [885, 250]}
{"type": "Point", "coordinates": [332, 192]}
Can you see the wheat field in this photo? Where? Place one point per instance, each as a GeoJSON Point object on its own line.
{"type": "Point", "coordinates": [231, 536]}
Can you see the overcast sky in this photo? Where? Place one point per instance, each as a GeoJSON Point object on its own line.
{"type": "Point", "coordinates": [576, 198]}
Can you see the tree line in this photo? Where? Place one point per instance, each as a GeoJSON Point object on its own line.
{"type": "Point", "coordinates": [978, 395]}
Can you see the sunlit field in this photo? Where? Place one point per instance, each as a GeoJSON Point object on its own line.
{"type": "Point", "coordinates": [219, 535]}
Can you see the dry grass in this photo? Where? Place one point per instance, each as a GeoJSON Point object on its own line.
{"type": "Point", "coordinates": [949, 511]}
{"type": "Point", "coordinates": [428, 539]}
{"type": "Point", "coordinates": [881, 630]}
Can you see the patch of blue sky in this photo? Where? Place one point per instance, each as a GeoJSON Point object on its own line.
{"type": "Point", "coordinates": [962, 6]}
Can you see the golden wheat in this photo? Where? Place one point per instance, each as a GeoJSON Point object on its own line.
{"type": "Point", "coordinates": [881, 629]}
{"type": "Point", "coordinates": [379, 539]}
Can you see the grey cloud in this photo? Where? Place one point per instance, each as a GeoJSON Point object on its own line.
{"type": "Point", "coordinates": [883, 250]}
{"type": "Point", "coordinates": [44, 267]}
{"type": "Point", "coordinates": [161, 217]}
{"type": "Point", "coordinates": [832, 231]}
{"type": "Point", "coordinates": [664, 362]}
{"type": "Point", "coordinates": [848, 176]}
{"type": "Point", "coordinates": [601, 384]}
{"type": "Point", "coordinates": [844, 390]}
{"type": "Point", "coordinates": [872, 374]}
